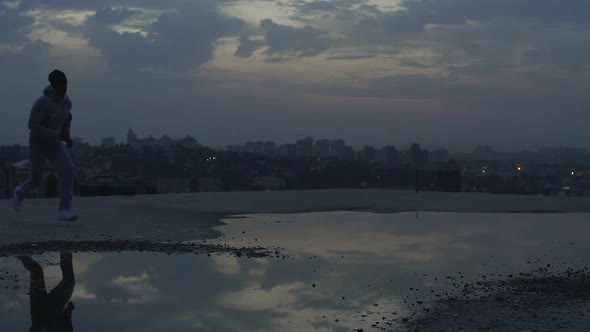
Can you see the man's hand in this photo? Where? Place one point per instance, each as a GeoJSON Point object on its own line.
{"type": "Point", "coordinates": [66, 138]}
{"type": "Point", "coordinates": [69, 142]}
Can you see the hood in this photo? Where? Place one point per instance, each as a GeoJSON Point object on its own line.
{"type": "Point", "coordinates": [50, 92]}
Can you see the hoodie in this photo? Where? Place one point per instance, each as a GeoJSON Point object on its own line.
{"type": "Point", "coordinates": [50, 119]}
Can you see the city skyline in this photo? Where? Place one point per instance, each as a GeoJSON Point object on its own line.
{"type": "Point", "coordinates": [454, 73]}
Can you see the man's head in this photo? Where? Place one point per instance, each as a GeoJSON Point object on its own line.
{"type": "Point", "coordinates": [59, 82]}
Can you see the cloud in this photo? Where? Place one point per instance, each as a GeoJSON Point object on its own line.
{"type": "Point", "coordinates": [93, 4]}
{"type": "Point", "coordinates": [24, 64]}
{"type": "Point", "coordinates": [288, 40]}
{"type": "Point", "coordinates": [524, 59]}
{"type": "Point", "coordinates": [459, 11]}
{"type": "Point", "coordinates": [176, 41]}
{"type": "Point", "coordinates": [255, 299]}
{"type": "Point", "coordinates": [138, 288]}
{"type": "Point", "coordinates": [227, 264]}
{"type": "Point", "coordinates": [316, 5]}
{"type": "Point", "coordinates": [14, 27]}
{"type": "Point", "coordinates": [109, 15]}
{"type": "Point", "coordinates": [351, 57]}
{"type": "Point", "coordinates": [246, 47]}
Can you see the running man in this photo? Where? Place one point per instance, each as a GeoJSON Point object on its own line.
{"type": "Point", "coordinates": [49, 125]}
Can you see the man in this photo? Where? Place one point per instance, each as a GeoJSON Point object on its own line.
{"type": "Point", "coordinates": [49, 125]}
{"type": "Point", "coordinates": [51, 311]}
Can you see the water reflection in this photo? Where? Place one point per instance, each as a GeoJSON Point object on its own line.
{"type": "Point", "coordinates": [50, 311]}
{"type": "Point", "coordinates": [345, 271]}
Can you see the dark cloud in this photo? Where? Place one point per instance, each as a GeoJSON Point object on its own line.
{"type": "Point", "coordinates": [344, 10]}
{"type": "Point", "coordinates": [287, 40]}
{"type": "Point", "coordinates": [176, 41]}
{"type": "Point", "coordinates": [351, 57]}
{"type": "Point", "coordinates": [504, 69]}
{"type": "Point", "coordinates": [93, 4]}
{"type": "Point", "coordinates": [459, 11]}
{"type": "Point", "coordinates": [113, 15]}
{"type": "Point", "coordinates": [315, 6]}
{"type": "Point", "coordinates": [247, 47]}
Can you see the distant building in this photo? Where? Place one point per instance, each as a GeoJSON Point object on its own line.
{"type": "Point", "coordinates": [165, 141]}
{"type": "Point", "coordinates": [132, 139]}
{"type": "Point", "coordinates": [269, 148]}
{"type": "Point", "coordinates": [418, 155]}
{"type": "Point", "coordinates": [235, 148]}
{"type": "Point", "coordinates": [287, 150]}
{"type": "Point", "coordinates": [337, 148]}
{"type": "Point", "coordinates": [438, 156]}
{"type": "Point", "coordinates": [322, 148]}
{"type": "Point", "coordinates": [257, 147]}
{"type": "Point", "coordinates": [304, 147]}
{"type": "Point", "coordinates": [150, 141]}
{"type": "Point", "coordinates": [387, 155]}
{"type": "Point", "coordinates": [439, 177]}
{"type": "Point", "coordinates": [189, 142]}
{"type": "Point", "coordinates": [348, 153]}
{"type": "Point", "coordinates": [367, 153]}
{"type": "Point", "coordinates": [108, 142]}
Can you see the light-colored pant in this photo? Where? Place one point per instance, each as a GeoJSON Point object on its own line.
{"type": "Point", "coordinates": [59, 156]}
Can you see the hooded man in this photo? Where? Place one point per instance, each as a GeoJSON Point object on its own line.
{"type": "Point", "coordinates": [49, 125]}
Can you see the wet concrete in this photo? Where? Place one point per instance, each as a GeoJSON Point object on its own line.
{"type": "Point", "coordinates": [332, 271]}
{"type": "Point", "coordinates": [193, 216]}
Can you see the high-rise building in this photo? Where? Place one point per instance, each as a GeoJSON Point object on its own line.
{"type": "Point", "coordinates": [287, 150]}
{"type": "Point", "coordinates": [367, 153]}
{"type": "Point", "coordinates": [322, 148]}
{"type": "Point", "coordinates": [387, 155]}
{"type": "Point", "coordinates": [305, 147]}
{"type": "Point", "coordinates": [348, 153]}
{"type": "Point", "coordinates": [132, 139]}
{"type": "Point", "coordinates": [337, 148]}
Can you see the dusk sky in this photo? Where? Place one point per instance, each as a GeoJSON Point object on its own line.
{"type": "Point", "coordinates": [444, 73]}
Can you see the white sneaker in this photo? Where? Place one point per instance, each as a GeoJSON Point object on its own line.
{"type": "Point", "coordinates": [16, 200]}
{"type": "Point", "coordinates": [66, 215]}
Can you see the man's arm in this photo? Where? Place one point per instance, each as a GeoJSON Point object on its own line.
{"type": "Point", "coordinates": [36, 122]}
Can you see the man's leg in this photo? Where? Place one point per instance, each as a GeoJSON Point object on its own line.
{"type": "Point", "coordinates": [37, 291]}
{"type": "Point", "coordinates": [60, 157]}
{"type": "Point", "coordinates": [61, 294]}
{"type": "Point", "coordinates": [37, 157]}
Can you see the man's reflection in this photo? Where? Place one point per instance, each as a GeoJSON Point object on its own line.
{"type": "Point", "coordinates": [51, 312]}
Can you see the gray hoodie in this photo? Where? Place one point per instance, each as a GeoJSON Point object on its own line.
{"type": "Point", "coordinates": [50, 119]}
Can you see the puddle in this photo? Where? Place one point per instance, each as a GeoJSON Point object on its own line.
{"type": "Point", "coordinates": [342, 271]}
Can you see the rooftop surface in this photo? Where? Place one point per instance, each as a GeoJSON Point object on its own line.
{"type": "Point", "coordinates": [177, 217]}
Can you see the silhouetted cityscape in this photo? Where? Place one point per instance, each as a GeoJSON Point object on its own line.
{"type": "Point", "coordinates": [178, 165]}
